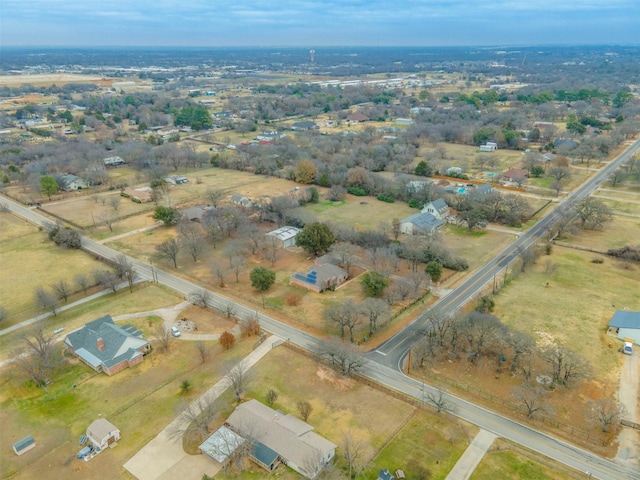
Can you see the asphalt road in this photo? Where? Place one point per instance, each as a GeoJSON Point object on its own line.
{"type": "Point", "coordinates": [383, 364]}
{"type": "Point", "coordinates": [394, 350]}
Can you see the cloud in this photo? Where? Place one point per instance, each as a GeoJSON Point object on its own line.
{"type": "Point", "coordinates": [243, 22]}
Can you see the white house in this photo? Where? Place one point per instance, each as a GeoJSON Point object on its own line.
{"type": "Point", "coordinates": [103, 433]}
{"type": "Point", "coordinates": [438, 208]}
{"type": "Point", "coordinates": [420, 224]}
{"type": "Point", "coordinates": [72, 182]}
{"type": "Point", "coordinates": [625, 324]}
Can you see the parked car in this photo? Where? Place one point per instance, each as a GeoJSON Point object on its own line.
{"type": "Point", "coordinates": [628, 348]}
{"type": "Point", "coordinates": [85, 452]}
{"type": "Point", "coordinates": [175, 332]}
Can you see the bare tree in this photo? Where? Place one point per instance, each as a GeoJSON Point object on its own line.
{"type": "Point", "coordinates": [605, 412]}
{"type": "Point", "coordinates": [528, 257]}
{"type": "Point", "coordinates": [62, 290]}
{"type": "Point", "coordinates": [565, 364]}
{"type": "Point", "coordinates": [237, 262]}
{"type": "Point", "coordinates": [82, 281]}
{"type": "Point", "coordinates": [254, 237]}
{"type": "Point", "coordinates": [37, 359]}
{"type": "Point", "coordinates": [521, 343]}
{"type": "Point", "coordinates": [401, 288]}
{"type": "Point", "coordinates": [250, 326]}
{"type": "Point", "coordinates": [271, 397]}
{"type": "Point", "coordinates": [377, 311]}
{"type": "Point", "coordinates": [45, 300]}
{"type": "Point", "coordinates": [271, 250]}
{"type": "Point", "coordinates": [345, 252]}
{"type": "Point", "coordinates": [593, 213]}
{"type": "Point", "coordinates": [480, 330]}
{"type": "Point", "coordinates": [124, 270]}
{"type": "Point", "coordinates": [168, 250]}
{"type": "Point", "coordinates": [229, 309]}
{"type": "Point", "coordinates": [108, 219]}
{"type": "Point", "coordinates": [214, 196]}
{"type": "Point", "coordinates": [305, 409]}
{"type": "Point", "coordinates": [163, 334]}
{"type": "Point", "coordinates": [239, 379]}
{"type": "Point", "coordinates": [559, 175]}
{"type": "Point", "coordinates": [219, 272]}
{"type": "Point", "coordinates": [114, 202]}
{"type": "Point", "coordinates": [203, 351]}
{"type": "Point", "coordinates": [192, 239]}
{"type": "Point", "coordinates": [200, 297]}
{"type": "Point", "coordinates": [344, 357]}
{"type": "Point", "coordinates": [532, 397]}
{"type": "Point", "coordinates": [195, 418]}
{"type": "Point", "coordinates": [345, 315]}
{"type": "Point", "coordinates": [356, 452]}
{"type": "Point", "coordinates": [438, 399]}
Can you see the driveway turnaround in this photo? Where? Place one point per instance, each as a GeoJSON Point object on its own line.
{"type": "Point", "coordinates": [163, 457]}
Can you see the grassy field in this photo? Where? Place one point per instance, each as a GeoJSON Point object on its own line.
{"type": "Point", "coordinates": [502, 461]}
{"type": "Point", "coordinates": [29, 259]}
{"type": "Point", "coordinates": [393, 429]}
{"type": "Point", "coordinates": [573, 304]}
{"type": "Point", "coordinates": [620, 232]}
{"type": "Point", "coordinates": [140, 401]}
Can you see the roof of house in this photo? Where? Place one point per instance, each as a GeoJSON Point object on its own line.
{"type": "Point", "coordinates": [484, 188]}
{"type": "Point", "coordinates": [24, 443]}
{"type": "Point", "coordinates": [326, 272]}
{"type": "Point", "coordinates": [119, 343]}
{"type": "Point", "coordinates": [240, 199]}
{"type": "Point", "coordinates": [565, 142]}
{"type": "Point", "coordinates": [100, 429]}
{"type": "Point", "coordinates": [290, 437]}
{"type": "Point", "coordinates": [516, 173]}
{"type": "Point", "coordinates": [327, 258]}
{"type": "Point", "coordinates": [357, 117]}
{"type": "Point", "coordinates": [221, 444]}
{"type": "Point", "coordinates": [196, 213]}
{"type": "Point", "coordinates": [439, 205]}
{"type": "Point", "coordinates": [264, 454]}
{"type": "Point", "coordinates": [284, 233]}
{"type": "Point", "coordinates": [385, 475]}
{"type": "Point", "coordinates": [625, 319]}
{"type": "Point", "coordinates": [303, 125]}
{"type": "Point", "coordinates": [424, 221]}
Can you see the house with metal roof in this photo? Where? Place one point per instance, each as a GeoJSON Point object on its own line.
{"type": "Point", "coordinates": [69, 182]}
{"type": "Point", "coordinates": [286, 236]}
{"type": "Point", "coordinates": [222, 444]}
{"type": "Point", "coordinates": [626, 324]}
{"type": "Point", "coordinates": [107, 347]}
{"type": "Point", "coordinates": [293, 440]}
{"type": "Point", "coordinates": [438, 208]}
{"type": "Point", "coordinates": [24, 445]}
{"type": "Point", "coordinates": [420, 224]}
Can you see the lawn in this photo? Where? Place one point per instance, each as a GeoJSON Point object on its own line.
{"type": "Point", "coordinates": [392, 429]}
{"type": "Point", "coordinates": [140, 401]}
{"type": "Point", "coordinates": [505, 461]}
{"type": "Point", "coordinates": [621, 231]}
{"type": "Point", "coordinates": [29, 259]}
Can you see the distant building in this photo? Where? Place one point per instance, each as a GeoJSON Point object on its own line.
{"type": "Point", "coordinates": [71, 183]}
{"type": "Point", "coordinates": [241, 200]}
{"type": "Point", "coordinates": [301, 126]}
{"type": "Point", "coordinates": [438, 208]}
{"type": "Point", "coordinates": [406, 122]}
{"type": "Point", "coordinates": [357, 117]}
{"type": "Point", "coordinates": [196, 213]}
{"type": "Point", "coordinates": [625, 324]}
{"type": "Point", "coordinates": [113, 161]}
{"type": "Point", "coordinates": [420, 224]}
{"type": "Point", "coordinates": [102, 434]}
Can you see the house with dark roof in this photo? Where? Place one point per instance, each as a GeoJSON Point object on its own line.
{"type": "Point", "coordinates": [515, 174]}
{"type": "Point", "coordinates": [565, 143]}
{"type": "Point", "coordinates": [420, 224]}
{"type": "Point", "coordinates": [357, 117]}
{"type": "Point", "coordinates": [107, 347]}
{"type": "Point", "coordinates": [625, 324]}
{"type": "Point", "coordinates": [321, 277]}
{"type": "Point", "coordinates": [24, 445]}
{"type": "Point", "coordinates": [196, 213]}
{"type": "Point", "coordinates": [241, 200]}
{"type": "Point", "coordinates": [277, 433]}
{"type": "Point", "coordinates": [438, 208]}
{"type": "Point", "coordinates": [385, 474]}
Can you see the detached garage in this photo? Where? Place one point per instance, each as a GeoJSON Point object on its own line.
{"type": "Point", "coordinates": [625, 324]}
{"type": "Point", "coordinates": [103, 434]}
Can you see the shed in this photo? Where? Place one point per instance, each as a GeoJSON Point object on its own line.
{"type": "Point", "coordinates": [286, 236]}
{"type": "Point", "coordinates": [626, 324]}
{"type": "Point", "coordinates": [24, 445]}
{"type": "Point", "coordinates": [102, 433]}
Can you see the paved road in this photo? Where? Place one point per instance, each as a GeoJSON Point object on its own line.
{"type": "Point", "coordinates": [393, 351]}
{"type": "Point", "coordinates": [385, 361]}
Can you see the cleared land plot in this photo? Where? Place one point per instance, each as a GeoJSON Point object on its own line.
{"type": "Point", "coordinates": [505, 461]}
{"type": "Point", "coordinates": [620, 232]}
{"type": "Point", "coordinates": [394, 430]}
{"type": "Point", "coordinates": [29, 259]}
{"type": "Point", "coordinates": [140, 401]}
{"type": "Point", "coordinates": [476, 247]}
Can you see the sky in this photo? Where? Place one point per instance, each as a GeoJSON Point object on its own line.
{"type": "Point", "coordinates": [312, 23]}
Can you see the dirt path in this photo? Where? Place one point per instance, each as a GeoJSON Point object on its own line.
{"type": "Point", "coordinates": [629, 439]}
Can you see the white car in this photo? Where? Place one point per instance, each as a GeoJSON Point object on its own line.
{"type": "Point", "coordinates": [628, 348]}
{"type": "Point", "coordinates": [175, 332]}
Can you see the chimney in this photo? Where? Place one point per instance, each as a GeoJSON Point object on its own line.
{"type": "Point", "coordinates": [100, 344]}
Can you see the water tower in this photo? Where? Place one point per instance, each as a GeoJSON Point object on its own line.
{"type": "Point", "coordinates": [312, 56]}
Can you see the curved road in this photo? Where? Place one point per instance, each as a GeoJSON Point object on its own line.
{"type": "Point", "coordinates": [384, 363]}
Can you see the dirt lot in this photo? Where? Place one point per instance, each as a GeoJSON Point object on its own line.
{"type": "Point", "coordinates": [51, 79]}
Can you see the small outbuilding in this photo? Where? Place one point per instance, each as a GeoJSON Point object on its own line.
{"type": "Point", "coordinates": [24, 445]}
{"type": "Point", "coordinates": [286, 236]}
{"type": "Point", "coordinates": [625, 324]}
{"type": "Point", "coordinates": [102, 434]}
